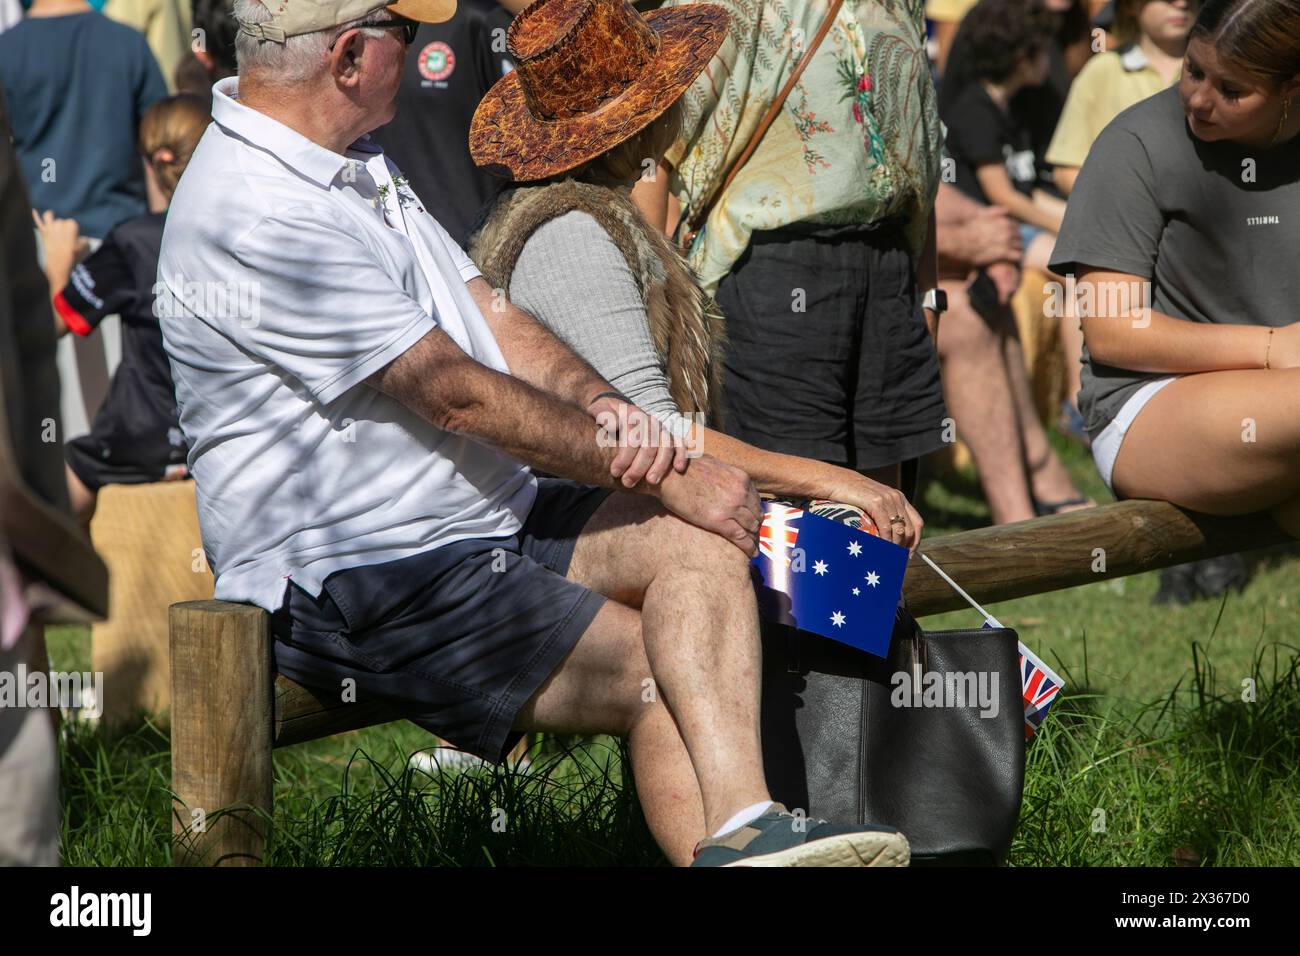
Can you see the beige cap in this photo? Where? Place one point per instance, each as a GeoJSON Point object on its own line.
{"type": "Point", "coordinates": [291, 18]}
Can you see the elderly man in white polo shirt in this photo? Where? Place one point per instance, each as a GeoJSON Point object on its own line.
{"type": "Point", "coordinates": [361, 411]}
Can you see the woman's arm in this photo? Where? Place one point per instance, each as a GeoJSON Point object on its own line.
{"type": "Point", "coordinates": [997, 187]}
{"type": "Point", "coordinates": [1065, 177]}
{"type": "Point", "coordinates": [63, 245]}
{"type": "Point", "coordinates": [1118, 332]}
{"type": "Point", "coordinates": [806, 478]}
{"type": "Point", "coordinates": [572, 278]}
{"type": "Point", "coordinates": [945, 31]}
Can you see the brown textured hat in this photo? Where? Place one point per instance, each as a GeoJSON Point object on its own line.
{"type": "Point", "coordinates": [589, 74]}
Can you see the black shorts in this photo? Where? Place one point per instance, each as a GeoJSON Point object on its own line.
{"type": "Point", "coordinates": [92, 462]}
{"type": "Point", "coordinates": [853, 378]}
{"type": "Point", "coordinates": [456, 639]}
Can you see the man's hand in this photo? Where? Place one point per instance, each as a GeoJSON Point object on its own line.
{"type": "Point", "coordinates": [646, 449]}
{"type": "Point", "coordinates": [718, 498]}
{"type": "Point", "coordinates": [1006, 276]}
{"type": "Point", "coordinates": [993, 236]}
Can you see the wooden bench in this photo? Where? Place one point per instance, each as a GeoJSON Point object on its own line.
{"type": "Point", "coordinates": [148, 535]}
{"type": "Point", "coordinates": [230, 711]}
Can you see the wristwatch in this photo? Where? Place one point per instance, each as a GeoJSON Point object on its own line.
{"type": "Point", "coordinates": [936, 300]}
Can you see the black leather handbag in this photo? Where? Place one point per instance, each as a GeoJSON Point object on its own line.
{"type": "Point", "coordinates": [835, 745]}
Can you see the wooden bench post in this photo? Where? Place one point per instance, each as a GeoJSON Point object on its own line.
{"type": "Point", "coordinates": [221, 732]}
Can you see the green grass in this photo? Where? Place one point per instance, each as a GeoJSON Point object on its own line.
{"type": "Point", "coordinates": [1153, 757]}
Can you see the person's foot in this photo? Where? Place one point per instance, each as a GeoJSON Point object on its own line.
{"type": "Point", "coordinates": [1177, 585]}
{"type": "Point", "coordinates": [779, 838]}
{"type": "Point", "coordinates": [1215, 576]}
{"type": "Point", "coordinates": [445, 760]}
{"type": "Point", "coordinates": [1045, 508]}
{"type": "Point", "coordinates": [1210, 578]}
{"type": "Point", "coordinates": [1051, 488]}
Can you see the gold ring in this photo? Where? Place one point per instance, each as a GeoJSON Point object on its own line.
{"type": "Point", "coordinates": [898, 519]}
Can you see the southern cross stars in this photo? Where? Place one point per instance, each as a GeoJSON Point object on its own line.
{"type": "Point", "coordinates": [873, 578]}
{"type": "Point", "coordinates": [855, 549]}
{"type": "Point", "coordinates": [837, 619]}
{"type": "Point", "coordinates": [819, 567]}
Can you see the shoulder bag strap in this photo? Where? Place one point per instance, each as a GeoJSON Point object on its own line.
{"type": "Point", "coordinates": [696, 219]}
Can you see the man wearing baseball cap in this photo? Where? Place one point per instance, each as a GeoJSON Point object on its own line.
{"type": "Point", "coordinates": [362, 412]}
{"type": "Point", "coordinates": [291, 18]}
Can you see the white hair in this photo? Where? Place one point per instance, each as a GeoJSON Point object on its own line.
{"type": "Point", "coordinates": [297, 58]}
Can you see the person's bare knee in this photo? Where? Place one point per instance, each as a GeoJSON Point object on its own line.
{"type": "Point", "coordinates": [632, 540]}
{"type": "Point", "coordinates": [965, 335]}
{"type": "Point", "coordinates": [81, 499]}
{"type": "Point", "coordinates": [618, 550]}
{"type": "Point", "coordinates": [701, 568]}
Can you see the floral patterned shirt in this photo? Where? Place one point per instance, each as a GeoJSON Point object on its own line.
{"type": "Point", "coordinates": [858, 139]}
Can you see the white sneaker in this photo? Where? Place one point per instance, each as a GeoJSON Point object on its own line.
{"type": "Point", "coordinates": [445, 760]}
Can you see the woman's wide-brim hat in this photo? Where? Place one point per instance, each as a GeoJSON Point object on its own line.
{"type": "Point", "coordinates": [588, 75]}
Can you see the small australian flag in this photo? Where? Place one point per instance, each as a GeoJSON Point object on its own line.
{"type": "Point", "coordinates": [826, 577]}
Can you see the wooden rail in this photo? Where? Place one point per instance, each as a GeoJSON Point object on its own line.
{"type": "Point", "coordinates": [1063, 551]}
{"type": "Point", "coordinates": [229, 710]}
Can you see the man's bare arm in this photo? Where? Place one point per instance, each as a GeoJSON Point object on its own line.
{"type": "Point", "coordinates": [437, 380]}
{"type": "Point", "coordinates": [533, 352]}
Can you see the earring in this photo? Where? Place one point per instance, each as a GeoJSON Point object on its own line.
{"type": "Point", "coordinates": [1281, 123]}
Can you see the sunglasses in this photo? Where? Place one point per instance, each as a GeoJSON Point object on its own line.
{"type": "Point", "coordinates": [409, 29]}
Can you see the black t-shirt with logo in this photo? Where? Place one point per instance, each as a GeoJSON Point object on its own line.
{"type": "Point", "coordinates": [981, 132]}
{"type": "Point", "coordinates": [1035, 108]}
{"type": "Point", "coordinates": [448, 69]}
{"type": "Point", "coordinates": [136, 434]}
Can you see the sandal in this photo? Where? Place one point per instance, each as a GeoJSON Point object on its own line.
{"type": "Point", "coordinates": [1045, 508]}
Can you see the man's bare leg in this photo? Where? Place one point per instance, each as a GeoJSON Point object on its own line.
{"type": "Point", "coordinates": [980, 400]}
{"type": "Point", "coordinates": [695, 741]}
{"type": "Point", "coordinates": [1049, 479]}
{"type": "Point", "coordinates": [602, 688]}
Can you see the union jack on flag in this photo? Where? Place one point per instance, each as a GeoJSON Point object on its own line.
{"type": "Point", "coordinates": [778, 533]}
{"type": "Point", "coordinates": [1040, 687]}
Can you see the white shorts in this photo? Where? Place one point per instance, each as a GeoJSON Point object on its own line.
{"type": "Point", "coordinates": [1106, 448]}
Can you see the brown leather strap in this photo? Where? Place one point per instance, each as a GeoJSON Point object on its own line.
{"type": "Point", "coordinates": [697, 218]}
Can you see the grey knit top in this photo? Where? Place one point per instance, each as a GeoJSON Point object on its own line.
{"type": "Point", "coordinates": [572, 277]}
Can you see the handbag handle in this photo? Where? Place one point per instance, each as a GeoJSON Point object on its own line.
{"type": "Point", "coordinates": [696, 219]}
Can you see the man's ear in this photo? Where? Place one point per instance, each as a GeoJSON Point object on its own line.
{"type": "Point", "coordinates": [345, 56]}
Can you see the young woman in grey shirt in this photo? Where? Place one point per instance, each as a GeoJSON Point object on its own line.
{"type": "Point", "coordinates": [1181, 237]}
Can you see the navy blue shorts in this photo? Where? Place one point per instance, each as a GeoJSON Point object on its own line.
{"type": "Point", "coordinates": [456, 639]}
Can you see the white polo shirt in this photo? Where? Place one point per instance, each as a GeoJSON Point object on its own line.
{"type": "Point", "coordinates": [288, 275]}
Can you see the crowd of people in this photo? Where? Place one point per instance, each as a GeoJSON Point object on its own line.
{"type": "Point", "coordinates": [465, 235]}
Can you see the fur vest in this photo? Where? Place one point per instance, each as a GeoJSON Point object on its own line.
{"type": "Point", "coordinates": [685, 326]}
